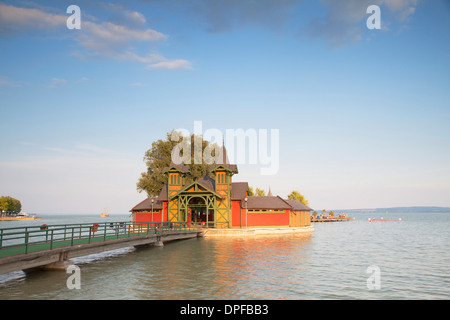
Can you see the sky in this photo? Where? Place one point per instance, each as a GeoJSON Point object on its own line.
{"type": "Point", "coordinates": [363, 114]}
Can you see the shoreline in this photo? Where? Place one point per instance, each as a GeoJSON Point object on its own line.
{"type": "Point", "coordinates": [19, 218]}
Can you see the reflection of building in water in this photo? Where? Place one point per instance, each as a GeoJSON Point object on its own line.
{"type": "Point", "coordinates": [218, 202]}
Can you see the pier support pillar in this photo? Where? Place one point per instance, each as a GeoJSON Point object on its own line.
{"type": "Point", "coordinates": [60, 265]}
{"type": "Point", "coordinates": [159, 244]}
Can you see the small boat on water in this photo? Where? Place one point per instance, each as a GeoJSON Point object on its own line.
{"type": "Point", "coordinates": [104, 214]}
{"type": "Point", "coordinates": [382, 219]}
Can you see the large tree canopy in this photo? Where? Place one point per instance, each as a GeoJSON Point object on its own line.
{"type": "Point", "coordinates": [159, 156]}
{"type": "Point", "coordinates": [10, 205]}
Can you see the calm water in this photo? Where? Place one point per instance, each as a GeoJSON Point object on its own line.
{"type": "Point", "coordinates": [412, 256]}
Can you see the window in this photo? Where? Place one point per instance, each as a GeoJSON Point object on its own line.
{"type": "Point", "coordinates": [265, 211]}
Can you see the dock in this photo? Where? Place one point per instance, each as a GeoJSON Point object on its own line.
{"type": "Point", "coordinates": [331, 219]}
{"type": "Point", "coordinates": [52, 247]}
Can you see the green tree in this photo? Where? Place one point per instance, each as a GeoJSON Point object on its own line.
{"type": "Point", "coordinates": [295, 195]}
{"type": "Point", "coordinates": [250, 192]}
{"type": "Point", "coordinates": [10, 205]}
{"type": "Point", "coordinates": [17, 206]}
{"type": "Point", "coordinates": [331, 213]}
{"type": "Point", "coordinates": [4, 204]}
{"type": "Point", "coordinates": [159, 156]}
{"type": "Point", "coordinates": [260, 192]}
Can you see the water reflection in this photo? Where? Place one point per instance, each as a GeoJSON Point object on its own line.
{"type": "Point", "coordinates": [330, 263]}
{"type": "Point", "coordinates": [257, 267]}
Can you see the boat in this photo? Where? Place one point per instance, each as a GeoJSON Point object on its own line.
{"type": "Point", "coordinates": [382, 219]}
{"type": "Point", "coordinates": [104, 214]}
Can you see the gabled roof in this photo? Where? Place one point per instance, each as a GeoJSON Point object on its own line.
{"type": "Point", "coordinates": [298, 206]}
{"type": "Point", "coordinates": [163, 194]}
{"type": "Point", "coordinates": [265, 202]}
{"type": "Point", "coordinates": [178, 167]}
{"type": "Point", "coordinates": [223, 163]}
{"type": "Point", "coordinates": [205, 182]}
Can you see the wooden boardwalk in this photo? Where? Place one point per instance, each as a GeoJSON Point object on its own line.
{"type": "Point", "coordinates": [42, 246]}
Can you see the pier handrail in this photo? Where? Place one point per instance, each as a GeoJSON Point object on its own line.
{"type": "Point", "coordinates": [33, 238]}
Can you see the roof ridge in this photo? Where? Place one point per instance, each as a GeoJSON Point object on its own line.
{"type": "Point", "coordinates": [285, 202]}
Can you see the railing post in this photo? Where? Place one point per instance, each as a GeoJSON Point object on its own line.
{"type": "Point", "coordinates": [73, 230]}
{"type": "Point", "coordinates": [27, 236]}
{"type": "Point", "coordinates": [51, 241]}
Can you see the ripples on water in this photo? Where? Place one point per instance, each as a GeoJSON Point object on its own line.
{"type": "Point", "coordinates": [331, 263]}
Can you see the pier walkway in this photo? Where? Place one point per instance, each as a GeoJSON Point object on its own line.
{"type": "Point", "coordinates": [331, 219]}
{"type": "Point", "coordinates": [24, 248]}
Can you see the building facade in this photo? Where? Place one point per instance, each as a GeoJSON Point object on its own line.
{"type": "Point", "coordinates": [218, 202]}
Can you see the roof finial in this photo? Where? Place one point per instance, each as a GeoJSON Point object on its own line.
{"type": "Point", "coordinates": [270, 193]}
{"type": "Point", "coordinates": [224, 152]}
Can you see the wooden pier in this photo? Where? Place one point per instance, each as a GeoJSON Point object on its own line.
{"type": "Point", "coordinates": [52, 247]}
{"type": "Point", "coordinates": [331, 219]}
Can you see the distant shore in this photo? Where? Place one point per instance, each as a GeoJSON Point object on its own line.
{"type": "Point", "coordinates": [19, 218]}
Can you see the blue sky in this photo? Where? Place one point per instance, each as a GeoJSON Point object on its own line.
{"type": "Point", "coordinates": [364, 115]}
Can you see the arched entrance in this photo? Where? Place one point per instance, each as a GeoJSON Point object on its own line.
{"type": "Point", "coordinates": [199, 213]}
{"type": "Point", "coordinates": [198, 209]}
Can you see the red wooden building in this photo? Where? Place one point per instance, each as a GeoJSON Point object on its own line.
{"type": "Point", "coordinates": [218, 202]}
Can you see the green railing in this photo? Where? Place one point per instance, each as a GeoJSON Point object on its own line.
{"type": "Point", "coordinates": [34, 238]}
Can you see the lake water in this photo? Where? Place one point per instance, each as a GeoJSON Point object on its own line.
{"type": "Point", "coordinates": [341, 260]}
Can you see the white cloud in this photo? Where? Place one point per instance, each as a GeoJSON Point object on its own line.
{"type": "Point", "coordinates": [93, 148]}
{"type": "Point", "coordinates": [122, 16]}
{"type": "Point", "coordinates": [117, 40]}
{"type": "Point", "coordinates": [226, 15]}
{"type": "Point", "coordinates": [178, 64]}
{"type": "Point", "coordinates": [56, 82]}
{"type": "Point", "coordinates": [343, 25]}
{"type": "Point", "coordinates": [83, 79]}
{"type": "Point", "coordinates": [108, 36]}
{"type": "Point", "coordinates": [137, 84]}
{"type": "Point", "coordinates": [15, 19]}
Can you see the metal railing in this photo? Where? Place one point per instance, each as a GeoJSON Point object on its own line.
{"type": "Point", "coordinates": [33, 238]}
